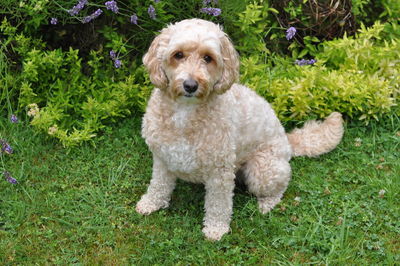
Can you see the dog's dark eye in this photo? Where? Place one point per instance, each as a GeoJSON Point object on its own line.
{"type": "Point", "coordinates": [178, 55]}
{"type": "Point", "coordinates": [207, 58]}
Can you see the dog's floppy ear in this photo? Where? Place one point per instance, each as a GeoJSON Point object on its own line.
{"type": "Point", "coordinates": [153, 60]}
{"type": "Point", "coordinates": [230, 72]}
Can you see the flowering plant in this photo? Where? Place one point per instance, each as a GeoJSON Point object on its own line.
{"type": "Point", "coordinates": [71, 94]}
{"type": "Point", "coordinates": [5, 151]}
{"type": "Point", "coordinates": [78, 102]}
{"type": "Point", "coordinates": [362, 86]}
{"type": "Point", "coordinates": [75, 66]}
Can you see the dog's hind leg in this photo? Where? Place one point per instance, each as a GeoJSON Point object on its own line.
{"type": "Point", "coordinates": [267, 176]}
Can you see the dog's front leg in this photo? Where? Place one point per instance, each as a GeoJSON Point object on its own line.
{"type": "Point", "coordinates": [159, 191]}
{"type": "Point", "coordinates": [218, 204]}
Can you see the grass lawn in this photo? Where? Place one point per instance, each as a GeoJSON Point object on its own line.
{"type": "Point", "coordinates": [77, 206]}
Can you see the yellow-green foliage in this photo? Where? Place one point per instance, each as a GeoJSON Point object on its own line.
{"type": "Point", "coordinates": [358, 77]}
{"type": "Point", "coordinates": [321, 91]}
{"type": "Point", "coordinates": [71, 106]}
{"type": "Point", "coordinates": [253, 22]}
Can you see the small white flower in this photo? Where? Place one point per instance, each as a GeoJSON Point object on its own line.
{"type": "Point", "coordinates": [381, 193]}
{"type": "Point", "coordinates": [33, 105]}
{"type": "Point", "coordinates": [52, 130]}
{"type": "Point", "coordinates": [34, 110]}
{"type": "Point", "coordinates": [358, 142]}
{"type": "Point", "coordinates": [297, 199]}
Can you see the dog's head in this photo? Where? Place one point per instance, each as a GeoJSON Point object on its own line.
{"type": "Point", "coordinates": [192, 58]}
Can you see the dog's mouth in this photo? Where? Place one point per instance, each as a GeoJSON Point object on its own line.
{"type": "Point", "coordinates": [199, 94]}
{"type": "Point", "coordinates": [189, 95]}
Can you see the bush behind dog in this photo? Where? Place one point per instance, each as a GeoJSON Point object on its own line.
{"type": "Point", "coordinates": [356, 76]}
{"type": "Point", "coordinates": [77, 78]}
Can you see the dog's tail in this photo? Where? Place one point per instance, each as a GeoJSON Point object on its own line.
{"type": "Point", "coordinates": [316, 138]}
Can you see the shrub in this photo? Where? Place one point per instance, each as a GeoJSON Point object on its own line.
{"type": "Point", "coordinates": [251, 24]}
{"type": "Point", "coordinates": [315, 21]}
{"type": "Point", "coordinates": [355, 76]}
{"type": "Point", "coordinates": [59, 67]}
{"type": "Point", "coordinates": [133, 21]}
{"type": "Point", "coordinates": [75, 78]}
{"type": "Point", "coordinates": [369, 11]}
{"type": "Point", "coordinates": [72, 106]}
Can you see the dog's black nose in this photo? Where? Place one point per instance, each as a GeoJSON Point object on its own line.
{"type": "Point", "coordinates": [190, 85]}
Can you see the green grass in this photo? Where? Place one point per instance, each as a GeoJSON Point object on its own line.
{"type": "Point", "coordinates": [77, 206]}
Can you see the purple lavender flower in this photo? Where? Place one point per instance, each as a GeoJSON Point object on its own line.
{"type": "Point", "coordinates": [134, 19]}
{"type": "Point", "coordinates": [76, 9]}
{"type": "Point", "coordinates": [156, 1]}
{"type": "Point", "coordinates": [211, 11]}
{"type": "Point", "coordinates": [312, 61]}
{"type": "Point", "coordinates": [53, 21]}
{"type": "Point", "coordinates": [5, 147]}
{"type": "Point", "coordinates": [94, 15]}
{"type": "Point", "coordinates": [113, 54]}
{"type": "Point", "coordinates": [9, 178]}
{"type": "Point", "coordinates": [14, 119]}
{"type": "Point", "coordinates": [206, 2]}
{"type": "Point", "coordinates": [117, 63]}
{"type": "Point", "coordinates": [304, 62]}
{"type": "Point", "coordinates": [301, 62]}
{"type": "Point", "coordinates": [152, 12]}
{"type": "Point", "coordinates": [112, 5]}
{"type": "Point", "coordinates": [290, 32]}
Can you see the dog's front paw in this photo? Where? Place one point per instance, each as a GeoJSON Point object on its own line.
{"type": "Point", "coordinates": [215, 232]}
{"type": "Point", "coordinates": [268, 203]}
{"type": "Point", "coordinates": [145, 206]}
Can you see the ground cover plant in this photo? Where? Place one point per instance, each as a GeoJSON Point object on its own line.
{"type": "Point", "coordinates": [73, 164]}
{"type": "Point", "coordinates": [78, 206]}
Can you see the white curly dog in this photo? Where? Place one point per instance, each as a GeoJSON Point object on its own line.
{"type": "Point", "coordinates": [203, 128]}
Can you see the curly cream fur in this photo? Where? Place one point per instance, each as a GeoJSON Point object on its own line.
{"type": "Point", "coordinates": [207, 136]}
